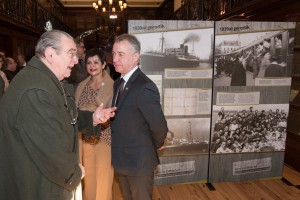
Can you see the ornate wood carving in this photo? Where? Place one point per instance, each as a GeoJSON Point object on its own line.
{"type": "Point", "coordinates": [208, 9]}
{"type": "Point", "coordinates": [31, 14]}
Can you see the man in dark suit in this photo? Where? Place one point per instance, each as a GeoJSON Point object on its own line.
{"type": "Point", "coordinates": [139, 127]}
{"type": "Point", "coordinates": [274, 69]}
{"type": "Point", "coordinates": [78, 72]}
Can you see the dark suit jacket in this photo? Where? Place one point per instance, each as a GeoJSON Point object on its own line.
{"type": "Point", "coordinates": [274, 70]}
{"type": "Point", "coordinates": [78, 73]}
{"type": "Point", "coordinates": [138, 128]}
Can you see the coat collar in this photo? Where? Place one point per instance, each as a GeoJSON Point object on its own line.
{"type": "Point", "coordinates": [39, 65]}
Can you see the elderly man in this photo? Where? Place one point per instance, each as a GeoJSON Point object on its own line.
{"type": "Point", "coordinates": [38, 125]}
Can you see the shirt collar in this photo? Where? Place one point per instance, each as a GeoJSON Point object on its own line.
{"type": "Point", "coordinates": [128, 75]}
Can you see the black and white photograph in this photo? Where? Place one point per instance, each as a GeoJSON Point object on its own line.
{"type": "Point", "coordinates": [241, 58]}
{"type": "Point", "coordinates": [242, 129]}
{"type": "Point", "coordinates": [176, 49]}
{"type": "Point", "coordinates": [187, 136]}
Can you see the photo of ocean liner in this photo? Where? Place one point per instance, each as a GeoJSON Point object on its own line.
{"type": "Point", "coordinates": [184, 144]}
{"type": "Point", "coordinates": [178, 57]}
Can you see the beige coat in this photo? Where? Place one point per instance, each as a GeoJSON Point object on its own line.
{"type": "Point", "coordinates": [105, 92]}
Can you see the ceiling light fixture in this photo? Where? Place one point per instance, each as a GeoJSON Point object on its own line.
{"type": "Point", "coordinates": [110, 6]}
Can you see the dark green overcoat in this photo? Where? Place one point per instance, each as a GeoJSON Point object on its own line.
{"type": "Point", "coordinates": [38, 143]}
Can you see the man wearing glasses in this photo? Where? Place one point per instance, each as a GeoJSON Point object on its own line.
{"type": "Point", "coordinates": [39, 124]}
{"type": "Point", "coordinates": [79, 72]}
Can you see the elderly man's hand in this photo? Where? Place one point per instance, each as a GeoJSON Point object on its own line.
{"type": "Point", "coordinates": [82, 171]}
{"type": "Point", "coordinates": [101, 115]}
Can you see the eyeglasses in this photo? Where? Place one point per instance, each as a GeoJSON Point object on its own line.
{"type": "Point", "coordinates": [71, 53]}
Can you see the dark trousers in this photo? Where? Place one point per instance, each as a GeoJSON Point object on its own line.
{"type": "Point", "coordinates": [136, 187]}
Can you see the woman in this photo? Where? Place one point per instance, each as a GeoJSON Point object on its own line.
{"type": "Point", "coordinates": [3, 63]}
{"type": "Point", "coordinates": [96, 150]}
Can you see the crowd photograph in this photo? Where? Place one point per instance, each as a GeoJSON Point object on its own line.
{"type": "Point", "coordinates": [252, 129]}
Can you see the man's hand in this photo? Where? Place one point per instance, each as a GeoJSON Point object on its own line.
{"type": "Point", "coordinates": [101, 115]}
{"type": "Point", "coordinates": [82, 171]}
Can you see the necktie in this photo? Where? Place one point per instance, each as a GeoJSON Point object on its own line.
{"type": "Point", "coordinates": [120, 90]}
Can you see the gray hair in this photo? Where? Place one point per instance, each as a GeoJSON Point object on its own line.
{"type": "Point", "coordinates": [50, 38]}
{"type": "Point", "coordinates": [133, 41]}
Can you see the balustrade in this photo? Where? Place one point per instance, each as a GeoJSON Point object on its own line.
{"type": "Point", "coordinates": [32, 14]}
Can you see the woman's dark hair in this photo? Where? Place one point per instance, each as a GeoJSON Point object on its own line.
{"type": "Point", "coordinates": [95, 52]}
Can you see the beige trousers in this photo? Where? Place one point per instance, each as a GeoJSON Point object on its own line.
{"type": "Point", "coordinates": [98, 180]}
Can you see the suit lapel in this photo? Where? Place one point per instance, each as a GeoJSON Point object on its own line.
{"type": "Point", "coordinates": [127, 87]}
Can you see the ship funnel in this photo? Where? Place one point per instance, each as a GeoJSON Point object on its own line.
{"type": "Point", "coordinates": [186, 50]}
